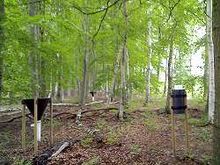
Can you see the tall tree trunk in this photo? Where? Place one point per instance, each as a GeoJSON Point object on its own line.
{"type": "Point", "coordinates": [116, 61]}
{"type": "Point", "coordinates": [115, 73]}
{"type": "Point", "coordinates": [216, 41]}
{"type": "Point", "coordinates": [60, 90]}
{"type": "Point", "coordinates": [205, 75]}
{"type": "Point", "coordinates": [158, 77]}
{"type": "Point", "coordinates": [169, 76]}
{"type": "Point", "coordinates": [33, 58]}
{"type": "Point", "coordinates": [123, 64]}
{"type": "Point", "coordinates": [85, 58]}
{"type": "Point", "coordinates": [149, 54]}
{"type": "Point", "coordinates": [165, 78]}
{"type": "Point", "coordinates": [42, 60]}
{"type": "Point", "coordinates": [2, 38]}
{"type": "Point", "coordinates": [211, 105]}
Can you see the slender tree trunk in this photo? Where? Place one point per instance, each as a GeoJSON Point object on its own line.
{"type": "Point", "coordinates": [165, 79]}
{"type": "Point", "coordinates": [115, 73]}
{"type": "Point", "coordinates": [116, 61]}
{"type": "Point", "coordinates": [123, 64]}
{"type": "Point", "coordinates": [33, 58]}
{"type": "Point", "coordinates": [127, 76]}
{"type": "Point", "coordinates": [42, 61]}
{"type": "Point", "coordinates": [60, 90]}
{"type": "Point", "coordinates": [211, 62]}
{"type": "Point", "coordinates": [149, 54]}
{"type": "Point", "coordinates": [216, 41]}
{"type": "Point", "coordinates": [205, 75]}
{"type": "Point", "coordinates": [169, 75]}
{"type": "Point", "coordinates": [158, 77]}
{"type": "Point", "coordinates": [2, 38]}
{"type": "Point", "coordinates": [85, 58]}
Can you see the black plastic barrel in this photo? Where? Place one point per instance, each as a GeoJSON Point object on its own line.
{"type": "Point", "coordinates": [41, 106]}
{"type": "Point", "coordinates": [179, 103]}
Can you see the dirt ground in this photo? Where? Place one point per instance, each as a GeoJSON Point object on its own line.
{"type": "Point", "coordinates": [144, 137]}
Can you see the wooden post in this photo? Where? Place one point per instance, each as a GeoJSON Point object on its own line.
{"type": "Point", "coordinates": [173, 132]}
{"type": "Point", "coordinates": [35, 126]}
{"type": "Point", "coordinates": [187, 131]}
{"type": "Point", "coordinates": [51, 122]}
{"type": "Point", "coordinates": [23, 129]}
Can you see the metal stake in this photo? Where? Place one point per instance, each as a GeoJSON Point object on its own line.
{"type": "Point", "coordinates": [187, 131]}
{"type": "Point", "coordinates": [51, 122]}
{"type": "Point", "coordinates": [173, 133]}
{"type": "Point", "coordinates": [23, 128]}
{"type": "Point", "coordinates": [35, 126]}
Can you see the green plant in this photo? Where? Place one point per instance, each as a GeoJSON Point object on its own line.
{"type": "Point", "coordinates": [6, 138]}
{"type": "Point", "coordinates": [18, 161]}
{"type": "Point", "coordinates": [135, 149]}
{"type": "Point", "coordinates": [92, 161]}
{"type": "Point", "coordinates": [205, 134]}
{"type": "Point", "coordinates": [87, 141]}
{"type": "Point", "coordinates": [113, 137]}
{"type": "Point", "coordinates": [101, 124]}
{"type": "Point", "coordinates": [150, 121]}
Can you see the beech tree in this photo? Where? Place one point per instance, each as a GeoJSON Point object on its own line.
{"type": "Point", "coordinates": [216, 42]}
{"type": "Point", "coordinates": [2, 38]}
{"type": "Point", "coordinates": [211, 95]}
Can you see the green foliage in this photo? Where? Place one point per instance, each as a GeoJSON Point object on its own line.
{"type": "Point", "coordinates": [60, 44]}
{"type": "Point", "coordinates": [135, 149]}
{"type": "Point", "coordinates": [86, 142]}
{"type": "Point", "coordinates": [113, 137]}
{"type": "Point", "coordinates": [21, 162]}
{"type": "Point", "coordinates": [92, 161]}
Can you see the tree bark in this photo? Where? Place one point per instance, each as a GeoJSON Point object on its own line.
{"type": "Point", "coordinates": [169, 75]}
{"type": "Point", "coordinates": [123, 64]}
{"type": "Point", "coordinates": [149, 54]}
{"type": "Point", "coordinates": [211, 105]}
{"type": "Point", "coordinates": [85, 58]}
{"type": "Point", "coordinates": [165, 79]}
{"type": "Point", "coordinates": [60, 91]}
{"type": "Point", "coordinates": [216, 41]}
{"type": "Point", "coordinates": [34, 57]}
{"type": "Point", "coordinates": [2, 38]}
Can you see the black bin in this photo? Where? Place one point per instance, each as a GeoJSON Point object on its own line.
{"type": "Point", "coordinates": [179, 103]}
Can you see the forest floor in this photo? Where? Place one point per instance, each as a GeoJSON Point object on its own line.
{"type": "Point", "coordinates": [144, 137]}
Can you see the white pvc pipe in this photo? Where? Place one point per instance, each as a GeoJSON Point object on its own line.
{"type": "Point", "coordinates": [93, 98]}
{"type": "Point", "coordinates": [38, 130]}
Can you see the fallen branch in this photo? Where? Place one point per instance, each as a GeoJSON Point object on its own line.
{"type": "Point", "coordinates": [63, 113]}
{"type": "Point", "coordinates": [86, 111]}
{"type": "Point", "coordinates": [18, 117]}
{"type": "Point", "coordinates": [65, 145]}
{"type": "Point", "coordinates": [48, 154]}
{"type": "Point", "coordinates": [77, 105]}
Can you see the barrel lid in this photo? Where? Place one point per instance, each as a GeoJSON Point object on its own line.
{"type": "Point", "coordinates": [178, 87]}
